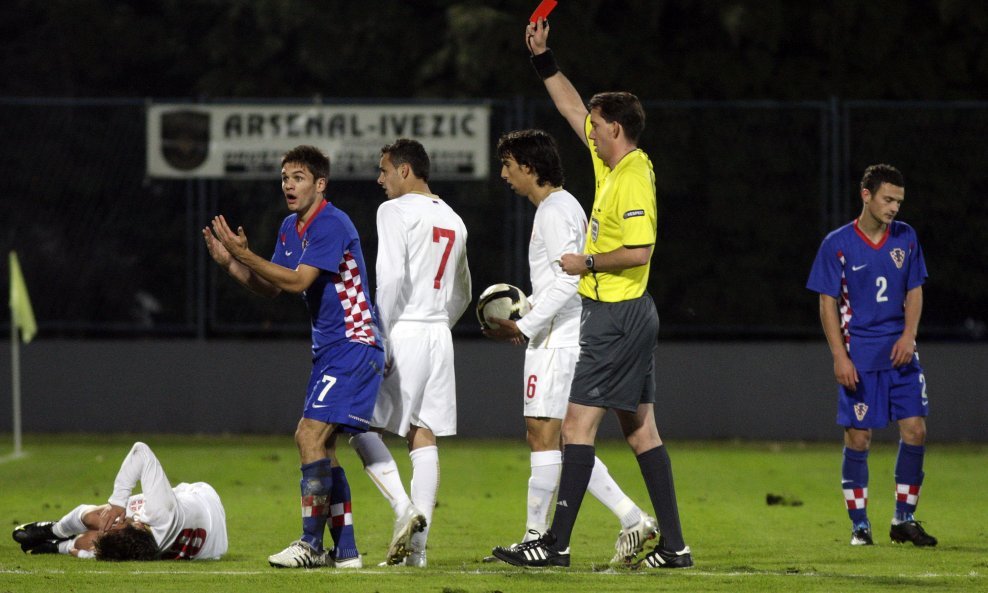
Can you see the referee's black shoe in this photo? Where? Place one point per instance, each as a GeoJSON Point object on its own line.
{"type": "Point", "coordinates": [663, 558]}
{"type": "Point", "coordinates": [911, 531]}
{"type": "Point", "coordinates": [537, 552]}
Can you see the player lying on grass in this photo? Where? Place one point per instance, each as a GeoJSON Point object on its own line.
{"type": "Point", "coordinates": [186, 522]}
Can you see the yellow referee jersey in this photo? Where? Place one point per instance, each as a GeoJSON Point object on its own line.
{"type": "Point", "coordinates": [623, 214]}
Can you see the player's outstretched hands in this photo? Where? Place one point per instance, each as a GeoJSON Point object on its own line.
{"type": "Point", "coordinates": [506, 331]}
{"type": "Point", "coordinates": [902, 351]}
{"type": "Point", "coordinates": [216, 250]}
{"type": "Point", "coordinates": [234, 243]}
{"type": "Point", "coordinates": [110, 517]}
{"type": "Point", "coordinates": [536, 36]}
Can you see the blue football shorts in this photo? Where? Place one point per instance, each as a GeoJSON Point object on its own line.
{"type": "Point", "coordinates": [343, 386]}
{"type": "Point", "coordinates": [884, 396]}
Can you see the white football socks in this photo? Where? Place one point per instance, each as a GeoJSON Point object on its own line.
{"type": "Point", "coordinates": [71, 524]}
{"type": "Point", "coordinates": [606, 490]}
{"type": "Point", "coordinates": [425, 486]}
{"type": "Point", "coordinates": [382, 469]}
{"type": "Point", "coordinates": [542, 485]}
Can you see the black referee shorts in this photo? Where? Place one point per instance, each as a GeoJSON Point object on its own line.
{"type": "Point", "coordinates": [616, 368]}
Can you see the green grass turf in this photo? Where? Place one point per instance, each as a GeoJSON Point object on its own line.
{"type": "Point", "coordinates": [739, 542]}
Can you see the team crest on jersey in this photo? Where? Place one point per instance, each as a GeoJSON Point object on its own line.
{"type": "Point", "coordinates": [860, 409]}
{"type": "Point", "coordinates": [283, 238]}
{"type": "Point", "coordinates": [898, 256]}
{"type": "Point", "coordinates": [594, 228]}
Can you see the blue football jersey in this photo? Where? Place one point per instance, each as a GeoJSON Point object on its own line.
{"type": "Point", "coordinates": [870, 282]}
{"type": "Point", "coordinates": [339, 300]}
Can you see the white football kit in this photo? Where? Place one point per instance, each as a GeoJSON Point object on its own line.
{"type": "Point", "coordinates": [423, 287]}
{"type": "Point", "coordinates": [553, 325]}
{"type": "Point", "coordinates": [187, 521]}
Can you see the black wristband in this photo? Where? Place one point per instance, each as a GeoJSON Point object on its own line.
{"type": "Point", "coordinates": [545, 64]}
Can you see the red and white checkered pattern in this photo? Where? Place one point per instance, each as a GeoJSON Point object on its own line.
{"type": "Point", "coordinates": [314, 506]}
{"type": "Point", "coordinates": [907, 493]}
{"type": "Point", "coordinates": [844, 303]}
{"type": "Point", "coordinates": [356, 309]}
{"type": "Point", "coordinates": [856, 498]}
{"type": "Point", "coordinates": [340, 513]}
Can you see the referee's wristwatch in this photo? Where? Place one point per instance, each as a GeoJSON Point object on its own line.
{"type": "Point", "coordinates": [589, 263]}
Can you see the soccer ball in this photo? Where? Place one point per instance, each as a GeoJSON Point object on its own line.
{"type": "Point", "coordinates": [502, 301]}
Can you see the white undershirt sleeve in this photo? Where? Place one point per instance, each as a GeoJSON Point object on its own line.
{"type": "Point", "coordinates": [390, 267]}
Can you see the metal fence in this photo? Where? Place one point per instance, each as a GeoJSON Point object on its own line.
{"type": "Point", "coordinates": [746, 192]}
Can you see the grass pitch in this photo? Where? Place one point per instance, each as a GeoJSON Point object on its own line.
{"type": "Point", "coordinates": [739, 542]}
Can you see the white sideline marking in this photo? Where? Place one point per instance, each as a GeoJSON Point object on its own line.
{"type": "Point", "coordinates": [378, 572]}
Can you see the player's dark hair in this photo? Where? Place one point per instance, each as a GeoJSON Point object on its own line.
{"type": "Point", "coordinates": [406, 150]}
{"type": "Point", "coordinates": [536, 149]}
{"type": "Point", "coordinates": [311, 157]}
{"type": "Point", "coordinates": [876, 175]}
{"type": "Point", "coordinates": [623, 108]}
{"type": "Point", "coordinates": [129, 542]}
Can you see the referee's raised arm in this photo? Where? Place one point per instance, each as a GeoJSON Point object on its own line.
{"type": "Point", "coordinates": [562, 91]}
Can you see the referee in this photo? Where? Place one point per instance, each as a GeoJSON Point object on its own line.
{"type": "Point", "coordinates": [619, 325]}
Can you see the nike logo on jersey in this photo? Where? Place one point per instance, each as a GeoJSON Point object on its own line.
{"type": "Point", "coordinates": [288, 253]}
{"type": "Point", "coordinates": [856, 268]}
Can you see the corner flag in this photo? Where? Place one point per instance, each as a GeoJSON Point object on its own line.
{"type": "Point", "coordinates": [21, 313]}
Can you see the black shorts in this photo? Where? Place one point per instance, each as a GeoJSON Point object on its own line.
{"type": "Point", "coordinates": [616, 368]}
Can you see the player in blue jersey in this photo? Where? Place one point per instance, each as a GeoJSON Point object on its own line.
{"type": "Point", "coordinates": [318, 255]}
{"type": "Point", "coordinates": [869, 274]}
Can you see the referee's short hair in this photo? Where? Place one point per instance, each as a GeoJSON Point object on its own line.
{"type": "Point", "coordinates": [406, 150]}
{"type": "Point", "coordinates": [876, 175]}
{"type": "Point", "coordinates": [536, 149]}
{"type": "Point", "coordinates": [621, 107]}
{"type": "Point", "coordinates": [311, 157]}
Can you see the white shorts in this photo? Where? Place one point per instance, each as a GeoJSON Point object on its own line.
{"type": "Point", "coordinates": [548, 377]}
{"type": "Point", "coordinates": [421, 389]}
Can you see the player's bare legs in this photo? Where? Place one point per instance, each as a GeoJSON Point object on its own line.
{"type": "Point", "coordinates": [313, 439]}
{"type": "Point", "coordinates": [580, 425]}
{"type": "Point", "coordinates": [912, 431]}
{"type": "Point", "coordinates": [639, 428]}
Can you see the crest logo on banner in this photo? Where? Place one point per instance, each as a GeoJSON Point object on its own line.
{"type": "Point", "coordinates": [185, 138]}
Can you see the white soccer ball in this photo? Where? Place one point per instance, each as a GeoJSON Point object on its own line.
{"type": "Point", "coordinates": [502, 301]}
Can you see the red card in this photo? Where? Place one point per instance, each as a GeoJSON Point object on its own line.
{"type": "Point", "coordinates": [543, 10]}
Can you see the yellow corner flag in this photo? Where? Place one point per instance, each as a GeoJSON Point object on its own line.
{"type": "Point", "coordinates": [21, 313]}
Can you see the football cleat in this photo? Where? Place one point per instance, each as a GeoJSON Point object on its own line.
{"type": "Point", "coordinates": [411, 521]}
{"type": "Point", "coordinates": [632, 539]}
{"type": "Point", "coordinates": [298, 554]}
{"type": "Point", "coordinates": [861, 535]}
{"type": "Point", "coordinates": [911, 531]}
{"type": "Point", "coordinates": [416, 560]}
{"type": "Point", "coordinates": [536, 552]}
{"type": "Point", "coordinates": [351, 562]}
{"type": "Point", "coordinates": [31, 535]}
{"type": "Point", "coordinates": [663, 558]}
{"type": "Point", "coordinates": [49, 546]}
